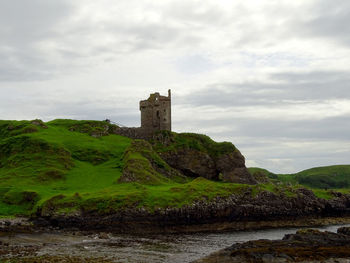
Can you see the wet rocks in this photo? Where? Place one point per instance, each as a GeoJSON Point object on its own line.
{"type": "Point", "coordinates": [51, 258]}
{"type": "Point", "coordinates": [221, 212]}
{"type": "Point", "coordinates": [15, 225]}
{"type": "Point", "coordinates": [344, 231]}
{"type": "Point", "coordinates": [306, 245]}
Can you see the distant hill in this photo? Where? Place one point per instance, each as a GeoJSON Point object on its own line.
{"type": "Point", "coordinates": [327, 177]}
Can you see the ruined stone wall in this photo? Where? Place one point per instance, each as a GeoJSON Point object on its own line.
{"type": "Point", "coordinates": [156, 112]}
{"type": "Point", "coordinates": [134, 133]}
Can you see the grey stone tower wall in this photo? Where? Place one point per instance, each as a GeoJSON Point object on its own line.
{"type": "Point", "coordinates": [156, 113]}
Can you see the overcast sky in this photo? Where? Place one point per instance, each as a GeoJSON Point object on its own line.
{"type": "Point", "coordinates": [271, 76]}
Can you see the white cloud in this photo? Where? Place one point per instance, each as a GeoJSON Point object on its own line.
{"type": "Point", "coordinates": [247, 71]}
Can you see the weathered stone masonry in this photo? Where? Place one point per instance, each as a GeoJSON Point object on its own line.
{"type": "Point", "coordinates": [155, 116]}
{"type": "Point", "coordinates": [156, 112]}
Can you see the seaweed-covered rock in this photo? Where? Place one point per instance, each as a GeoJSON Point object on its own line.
{"type": "Point", "coordinates": [307, 245]}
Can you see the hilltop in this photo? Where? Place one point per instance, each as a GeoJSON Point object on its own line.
{"type": "Point", "coordinates": [327, 177]}
{"type": "Point", "coordinates": [84, 174]}
{"type": "Point", "coordinates": [67, 165]}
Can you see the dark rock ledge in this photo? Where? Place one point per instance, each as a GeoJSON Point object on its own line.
{"type": "Point", "coordinates": [307, 245]}
{"type": "Point", "coordinates": [237, 212]}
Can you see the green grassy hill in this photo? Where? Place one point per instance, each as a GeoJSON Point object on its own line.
{"type": "Point", "coordinates": [65, 165]}
{"type": "Point", "coordinates": [328, 177]}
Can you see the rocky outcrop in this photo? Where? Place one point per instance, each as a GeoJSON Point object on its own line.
{"type": "Point", "coordinates": [306, 245]}
{"type": "Point", "coordinates": [197, 155]}
{"type": "Point", "coordinates": [192, 163]}
{"type": "Point", "coordinates": [230, 213]}
{"type": "Point", "coordinates": [232, 167]}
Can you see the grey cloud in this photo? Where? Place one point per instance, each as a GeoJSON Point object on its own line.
{"type": "Point", "coordinates": [283, 89]}
{"type": "Point", "coordinates": [326, 20]}
{"type": "Point", "coordinates": [39, 38]}
{"type": "Point", "coordinates": [23, 26]}
{"type": "Point", "coordinates": [331, 128]}
{"type": "Point", "coordinates": [193, 13]}
{"type": "Point", "coordinates": [24, 22]}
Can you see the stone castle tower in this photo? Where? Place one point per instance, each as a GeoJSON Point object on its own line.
{"type": "Point", "coordinates": [156, 112]}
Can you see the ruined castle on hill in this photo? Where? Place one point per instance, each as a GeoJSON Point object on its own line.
{"type": "Point", "coordinates": [155, 116]}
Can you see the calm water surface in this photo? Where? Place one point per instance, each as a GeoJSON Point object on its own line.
{"type": "Point", "coordinates": [151, 248]}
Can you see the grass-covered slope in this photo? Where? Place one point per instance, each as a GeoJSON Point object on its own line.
{"type": "Point", "coordinates": [171, 141]}
{"type": "Point", "coordinates": [328, 177]}
{"type": "Point", "coordinates": [49, 159]}
{"type": "Point", "coordinates": [65, 166]}
{"type": "Point", "coordinates": [142, 164]}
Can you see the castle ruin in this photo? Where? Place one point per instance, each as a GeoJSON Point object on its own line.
{"type": "Point", "coordinates": [156, 112]}
{"type": "Point", "coordinates": [155, 116]}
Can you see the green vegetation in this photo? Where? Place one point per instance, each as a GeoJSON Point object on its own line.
{"type": "Point", "coordinates": [51, 160]}
{"type": "Point", "coordinates": [142, 164]}
{"type": "Point", "coordinates": [330, 177]}
{"type": "Point", "coordinates": [65, 166]}
{"type": "Point", "coordinates": [319, 179]}
{"type": "Point", "coordinates": [171, 141]}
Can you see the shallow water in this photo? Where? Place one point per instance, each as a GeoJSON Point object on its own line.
{"type": "Point", "coordinates": [179, 248]}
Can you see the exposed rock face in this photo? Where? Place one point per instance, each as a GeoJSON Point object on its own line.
{"type": "Point", "coordinates": [305, 246]}
{"type": "Point", "coordinates": [198, 156]}
{"type": "Point", "coordinates": [195, 163]}
{"type": "Point", "coordinates": [191, 163]}
{"type": "Point", "coordinates": [232, 167]}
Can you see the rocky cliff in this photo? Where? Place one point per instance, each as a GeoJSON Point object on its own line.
{"type": "Point", "coordinates": [197, 155]}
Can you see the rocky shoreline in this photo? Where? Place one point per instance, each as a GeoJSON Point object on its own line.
{"type": "Point", "coordinates": [236, 212]}
{"type": "Point", "coordinates": [307, 245]}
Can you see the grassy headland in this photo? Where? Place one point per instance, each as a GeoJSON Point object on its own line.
{"type": "Point", "coordinates": [64, 166]}
{"type": "Point", "coordinates": [67, 165]}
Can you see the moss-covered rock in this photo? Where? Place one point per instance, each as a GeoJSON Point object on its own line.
{"type": "Point", "coordinates": [94, 128]}
{"type": "Point", "coordinates": [143, 165]}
